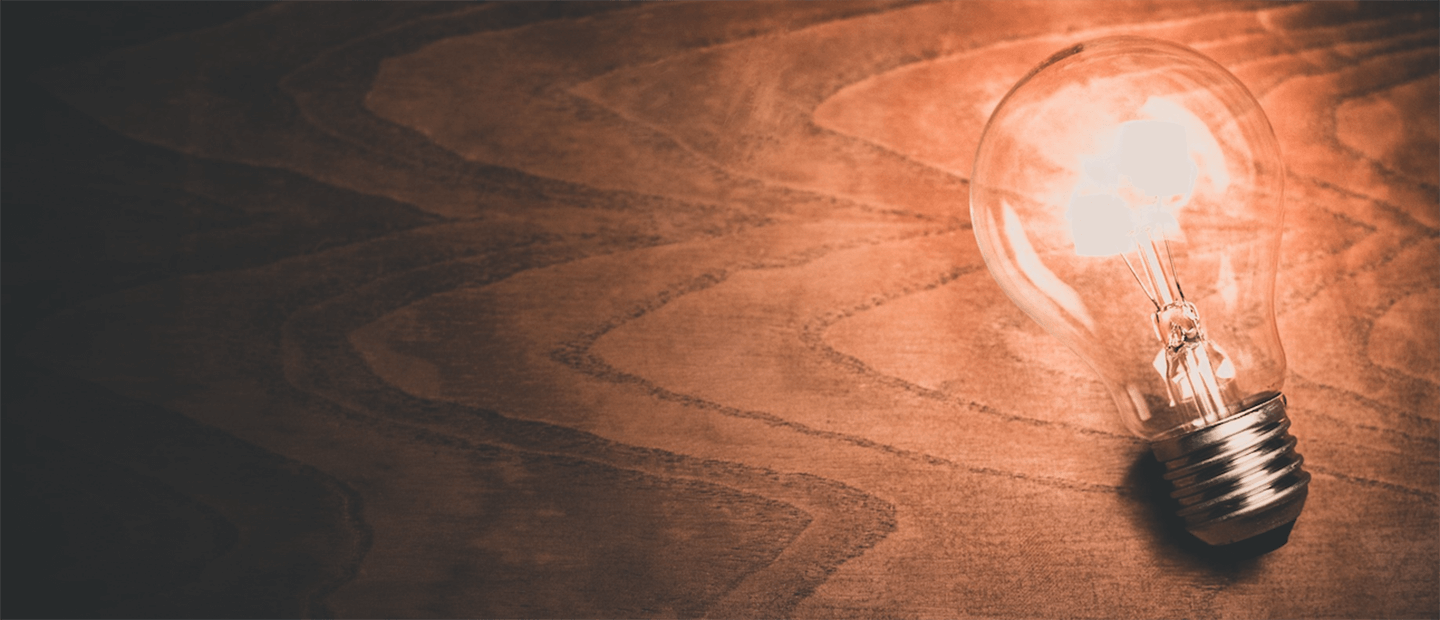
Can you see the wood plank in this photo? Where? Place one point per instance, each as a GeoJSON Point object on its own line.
{"type": "Point", "coordinates": [656, 310]}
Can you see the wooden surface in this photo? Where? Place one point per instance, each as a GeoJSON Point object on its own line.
{"type": "Point", "coordinates": [413, 310]}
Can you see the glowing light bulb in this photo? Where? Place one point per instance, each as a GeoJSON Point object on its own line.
{"type": "Point", "coordinates": [1128, 195]}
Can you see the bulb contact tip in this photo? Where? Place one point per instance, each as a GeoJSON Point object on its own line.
{"type": "Point", "coordinates": [1238, 478]}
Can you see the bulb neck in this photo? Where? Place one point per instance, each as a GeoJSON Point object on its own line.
{"type": "Point", "coordinates": [1238, 478]}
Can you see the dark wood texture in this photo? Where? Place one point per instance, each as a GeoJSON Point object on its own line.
{"type": "Point", "coordinates": [655, 310]}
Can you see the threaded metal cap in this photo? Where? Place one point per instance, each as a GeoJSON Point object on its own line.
{"type": "Point", "coordinates": [1237, 478]}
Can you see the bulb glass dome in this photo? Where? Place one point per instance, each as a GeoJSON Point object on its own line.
{"type": "Point", "coordinates": [1128, 195]}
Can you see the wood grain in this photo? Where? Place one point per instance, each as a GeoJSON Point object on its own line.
{"type": "Point", "coordinates": [656, 310]}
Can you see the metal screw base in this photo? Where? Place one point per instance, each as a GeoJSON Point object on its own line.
{"type": "Point", "coordinates": [1238, 478]}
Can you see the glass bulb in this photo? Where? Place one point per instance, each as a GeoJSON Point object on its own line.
{"type": "Point", "coordinates": [1128, 195]}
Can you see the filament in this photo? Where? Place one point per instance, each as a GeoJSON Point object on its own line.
{"type": "Point", "coordinates": [1170, 258]}
{"type": "Point", "coordinates": [1156, 271]}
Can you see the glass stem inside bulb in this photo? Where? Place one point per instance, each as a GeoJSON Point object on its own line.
{"type": "Point", "coordinates": [1196, 367]}
{"type": "Point", "coordinates": [1196, 371]}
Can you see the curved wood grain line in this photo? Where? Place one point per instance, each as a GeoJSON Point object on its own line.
{"type": "Point", "coordinates": [1389, 174]}
{"type": "Point", "coordinates": [1410, 48]}
{"type": "Point", "coordinates": [935, 56]}
{"type": "Point", "coordinates": [1418, 61]}
{"type": "Point", "coordinates": [121, 432]}
{"type": "Point", "coordinates": [1368, 326]}
{"type": "Point", "coordinates": [576, 354]}
{"type": "Point", "coordinates": [1389, 256]}
{"type": "Point", "coordinates": [851, 520]}
{"type": "Point", "coordinates": [354, 509]}
{"type": "Point", "coordinates": [1432, 442]}
{"type": "Point", "coordinates": [813, 335]}
{"type": "Point", "coordinates": [349, 69]}
{"type": "Point", "coordinates": [1358, 78]}
{"type": "Point", "coordinates": [732, 192]}
{"type": "Point", "coordinates": [1426, 424]}
{"type": "Point", "coordinates": [1401, 227]}
{"type": "Point", "coordinates": [1426, 496]}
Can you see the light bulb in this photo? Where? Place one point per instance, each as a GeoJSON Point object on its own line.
{"type": "Point", "coordinates": [1128, 195]}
